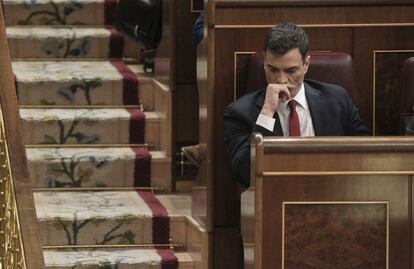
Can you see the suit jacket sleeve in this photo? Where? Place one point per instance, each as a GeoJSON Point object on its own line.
{"type": "Point", "coordinates": [237, 136]}
{"type": "Point", "coordinates": [410, 128]}
{"type": "Point", "coordinates": [355, 126]}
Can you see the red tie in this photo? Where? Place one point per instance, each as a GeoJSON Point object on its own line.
{"type": "Point", "coordinates": [294, 129]}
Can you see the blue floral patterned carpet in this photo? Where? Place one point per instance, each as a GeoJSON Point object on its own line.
{"type": "Point", "coordinates": [88, 136]}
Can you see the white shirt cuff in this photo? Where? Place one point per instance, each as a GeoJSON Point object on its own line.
{"type": "Point", "coordinates": [266, 122]}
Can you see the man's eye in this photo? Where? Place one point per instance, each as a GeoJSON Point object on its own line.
{"type": "Point", "coordinates": [291, 71]}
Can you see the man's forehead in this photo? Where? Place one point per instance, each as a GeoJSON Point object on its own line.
{"type": "Point", "coordinates": [284, 61]}
{"type": "Point", "coordinates": [291, 52]}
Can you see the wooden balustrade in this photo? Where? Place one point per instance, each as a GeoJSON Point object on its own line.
{"type": "Point", "coordinates": [19, 240]}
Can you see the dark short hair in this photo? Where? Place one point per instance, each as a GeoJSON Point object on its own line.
{"type": "Point", "coordinates": [284, 37]}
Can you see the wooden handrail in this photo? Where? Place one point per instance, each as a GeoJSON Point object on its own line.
{"type": "Point", "coordinates": [339, 144]}
{"type": "Point", "coordinates": [17, 162]}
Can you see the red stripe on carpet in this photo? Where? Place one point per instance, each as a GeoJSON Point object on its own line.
{"type": "Point", "coordinates": [142, 169]}
{"type": "Point", "coordinates": [110, 11]}
{"type": "Point", "coordinates": [116, 43]}
{"type": "Point", "coordinates": [136, 126]}
{"type": "Point", "coordinates": [130, 83]}
{"type": "Point", "coordinates": [168, 259]}
{"type": "Point", "coordinates": [160, 219]}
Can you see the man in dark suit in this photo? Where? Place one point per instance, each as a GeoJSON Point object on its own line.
{"type": "Point", "coordinates": [289, 105]}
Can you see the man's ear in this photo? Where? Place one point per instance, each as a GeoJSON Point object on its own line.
{"type": "Point", "coordinates": [306, 63]}
{"type": "Point", "coordinates": [264, 58]}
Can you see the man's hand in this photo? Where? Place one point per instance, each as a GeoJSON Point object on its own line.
{"type": "Point", "coordinates": [274, 94]}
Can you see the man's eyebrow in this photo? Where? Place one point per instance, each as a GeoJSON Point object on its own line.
{"type": "Point", "coordinates": [271, 66]}
{"type": "Point", "coordinates": [292, 68]}
{"type": "Point", "coordinates": [275, 68]}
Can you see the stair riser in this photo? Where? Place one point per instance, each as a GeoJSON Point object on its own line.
{"type": "Point", "coordinates": [81, 83]}
{"type": "Point", "coordinates": [92, 13]}
{"type": "Point", "coordinates": [121, 265]}
{"type": "Point", "coordinates": [72, 47]}
{"type": "Point", "coordinates": [103, 218]}
{"type": "Point", "coordinates": [109, 168]}
{"type": "Point", "coordinates": [161, 174]}
{"type": "Point", "coordinates": [42, 177]}
{"type": "Point", "coordinates": [58, 93]}
{"type": "Point", "coordinates": [93, 92]}
{"type": "Point", "coordinates": [131, 230]}
{"type": "Point", "coordinates": [120, 259]}
{"type": "Point", "coordinates": [59, 232]}
{"type": "Point", "coordinates": [90, 130]}
{"type": "Point", "coordinates": [103, 93]}
{"type": "Point", "coordinates": [146, 95]}
{"type": "Point", "coordinates": [114, 173]}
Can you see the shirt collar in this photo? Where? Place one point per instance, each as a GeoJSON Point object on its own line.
{"type": "Point", "coordinates": [300, 97]}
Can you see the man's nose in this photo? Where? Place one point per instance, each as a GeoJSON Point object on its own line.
{"type": "Point", "coordinates": [281, 78]}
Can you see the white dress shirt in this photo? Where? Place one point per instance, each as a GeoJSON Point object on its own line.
{"type": "Point", "coordinates": [302, 108]}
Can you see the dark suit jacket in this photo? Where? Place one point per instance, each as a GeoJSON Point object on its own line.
{"type": "Point", "coordinates": [409, 130]}
{"type": "Point", "coordinates": [332, 110]}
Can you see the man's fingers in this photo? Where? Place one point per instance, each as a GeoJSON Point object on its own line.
{"type": "Point", "coordinates": [284, 94]}
{"type": "Point", "coordinates": [275, 93]}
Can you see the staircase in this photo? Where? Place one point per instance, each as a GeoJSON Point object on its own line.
{"type": "Point", "coordinates": [94, 131]}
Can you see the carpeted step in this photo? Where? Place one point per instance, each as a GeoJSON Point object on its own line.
{"type": "Point", "coordinates": [106, 218]}
{"type": "Point", "coordinates": [122, 259]}
{"type": "Point", "coordinates": [98, 167]}
{"type": "Point", "coordinates": [70, 42]}
{"type": "Point", "coordinates": [58, 12]}
{"type": "Point", "coordinates": [90, 126]}
{"type": "Point", "coordinates": [80, 83]}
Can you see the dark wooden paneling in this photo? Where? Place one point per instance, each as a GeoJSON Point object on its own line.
{"type": "Point", "coordinates": [185, 49]}
{"type": "Point", "coordinates": [269, 15]}
{"type": "Point", "coordinates": [410, 197]}
{"type": "Point", "coordinates": [202, 198]}
{"type": "Point", "coordinates": [186, 109]}
{"type": "Point", "coordinates": [175, 66]}
{"type": "Point", "coordinates": [226, 246]}
{"type": "Point", "coordinates": [185, 96]}
{"type": "Point", "coordinates": [164, 69]}
{"type": "Point", "coordinates": [197, 5]}
{"type": "Point", "coordinates": [387, 69]}
{"type": "Point", "coordinates": [366, 41]}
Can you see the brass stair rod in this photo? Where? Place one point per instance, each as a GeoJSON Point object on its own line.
{"type": "Point", "coordinates": [144, 246]}
{"type": "Point", "coordinates": [71, 189]}
{"type": "Point", "coordinates": [147, 145]}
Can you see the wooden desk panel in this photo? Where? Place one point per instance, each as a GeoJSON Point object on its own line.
{"type": "Point", "coordinates": [364, 178]}
{"type": "Point", "coordinates": [394, 189]}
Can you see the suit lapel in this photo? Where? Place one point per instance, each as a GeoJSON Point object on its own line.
{"type": "Point", "coordinates": [277, 130]}
{"type": "Point", "coordinates": [317, 109]}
